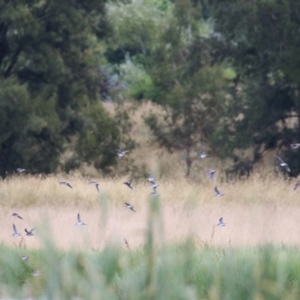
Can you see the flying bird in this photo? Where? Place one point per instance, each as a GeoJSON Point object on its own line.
{"type": "Point", "coordinates": [129, 206]}
{"type": "Point", "coordinates": [79, 223]}
{"type": "Point", "coordinates": [203, 154]}
{"type": "Point", "coordinates": [16, 233]}
{"type": "Point", "coordinates": [24, 258]}
{"type": "Point", "coordinates": [17, 216]}
{"type": "Point", "coordinates": [283, 164]}
{"type": "Point", "coordinates": [66, 183]}
{"type": "Point", "coordinates": [121, 153]}
{"type": "Point", "coordinates": [154, 192]}
{"type": "Point", "coordinates": [151, 178]}
{"type": "Point", "coordinates": [29, 232]}
{"type": "Point", "coordinates": [211, 173]}
{"type": "Point", "coordinates": [221, 223]}
{"type": "Point", "coordinates": [21, 170]}
{"type": "Point", "coordinates": [295, 146]}
{"type": "Point", "coordinates": [96, 184]}
{"type": "Point", "coordinates": [126, 243]}
{"type": "Point", "coordinates": [297, 185]}
{"type": "Point", "coordinates": [128, 183]}
{"type": "Point", "coordinates": [154, 184]}
{"type": "Point", "coordinates": [218, 194]}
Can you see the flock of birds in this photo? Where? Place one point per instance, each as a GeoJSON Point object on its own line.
{"type": "Point", "coordinates": [154, 185]}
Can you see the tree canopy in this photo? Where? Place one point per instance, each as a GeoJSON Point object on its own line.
{"type": "Point", "coordinates": [50, 57]}
{"type": "Point", "coordinates": [225, 75]}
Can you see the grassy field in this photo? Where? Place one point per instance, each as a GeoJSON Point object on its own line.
{"type": "Point", "coordinates": [170, 248]}
{"type": "Point", "coordinates": [174, 249]}
{"type": "Point", "coordinates": [256, 211]}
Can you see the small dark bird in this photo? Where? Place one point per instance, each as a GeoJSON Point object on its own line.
{"type": "Point", "coordinates": [96, 184]}
{"type": "Point", "coordinates": [297, 185]}
{"type": "Point", "coordinates": [29, 232]}
{"type": "Point", "coordinates": [151, 178]}
{"type": "Point", "coordinates": [126, 243]}
{"type": "Point", "coordinates": [129, 206]}
{"type": "Point", "coordinates": [221, 223]}
{"type": "Point", "coordinates": [283, 164]}
{"type": "Point", "coordinates": [16, 233]}
{"type": "Point", "coordinates": [25, 258]}
{"type": "Point", "coordinates": [17, 216]}
{"type": "Point", "coordinates": [66, 183]}
{"type": "Point", "coordinates": [79, 223]}
{"type": "Point", "coordinates": [128, 183]}
{"type": "Point", "coordinates": [121, 153]}
{"type": "Point", "coordinates": [211, 173]}
{"type": "Point", "coordinates": [203, 154]}
{"type": "Point", "coordinates": [218, 194]}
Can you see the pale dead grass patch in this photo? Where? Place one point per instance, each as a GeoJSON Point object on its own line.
{"type": "Point", "coordinates": [255, 211]}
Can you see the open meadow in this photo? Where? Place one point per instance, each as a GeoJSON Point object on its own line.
{"type": "Point", "coordinates": [169, 248]}
{"type": "Point", "coordinates": [255, 212]}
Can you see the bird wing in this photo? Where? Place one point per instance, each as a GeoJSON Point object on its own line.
{"type": "Point", "coordinates": [287, 168]}
{"type": "Point", "coordinates": [97, 187]}
{"type": "Point", "coordinates": [27, 232]}
{"type": "Point", "coordinates": [69, 185]}
{"type": "Point", "coordinates": [295, 146]}
{"type": "Point", "coordinates": [279, 159]}
{"type": "Point", "coordinates": [78, 218]}
{"type": "Point", "coordinates": [15, 229]}
{"type": "Point", "coordinates": [221, 220]}
{"type": "Point", "coordinates": [216, 190]}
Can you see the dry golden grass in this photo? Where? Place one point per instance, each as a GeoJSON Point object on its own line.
{"type": "Point", "coordinates": [255, 211]}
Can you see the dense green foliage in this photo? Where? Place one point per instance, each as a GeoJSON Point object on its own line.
{"type": "Point", "coordinates": [225, 76]}
{"type": "Point", "coordinates": [49, 76]}
{"type": "Point", "coordinates": [261, 41]}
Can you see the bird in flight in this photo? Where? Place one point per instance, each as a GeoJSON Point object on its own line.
{"type": "Point", "coordinates": [66, 183]}
{"type": "Point", "coordinates": [154, 192]}
{"type": "Point", "coordinates": [221, 223]}
{"type": "Point", "coordinates": [21, 170]}
{"type": "Point", "coordinates": [297, 185]}
{"type": "Point", "coordinates": [96, 184]}
{"type": "Point", "coordinates": [218, 194]}
{"type": "Point", "coordinates": [17, 216]}
{"type": "Point", "coordinates": [203, 154]}
{"type": "Point", "coordinates": [79, 223]}
{"type": "Point", "coordinates": [24, 258]}
{"type": "Point", "coordinates": [151, 178]}
{"type": "Point", "coordinates": [283, 164]}
{"type": "Point", "coordinates": [128, 183]}
{"type": "Point", "coordinates": [29, 232]}
{"type": "Point", "coordinates": [16, 233]}
{"type": "Point", "coordinates": [295, 146]}
{"type": "Point", "coordinates": [121, 153]}
{"type": "Point", "coordinates": [211, 173]}
{"type": "Point", "coordinates": [129, 206]}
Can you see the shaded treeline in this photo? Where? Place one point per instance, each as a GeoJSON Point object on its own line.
{"type": "Point", "coordinates": [225, 76]}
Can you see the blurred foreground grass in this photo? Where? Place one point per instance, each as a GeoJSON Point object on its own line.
{"type": "Point", "coordinates": [177, 272]}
